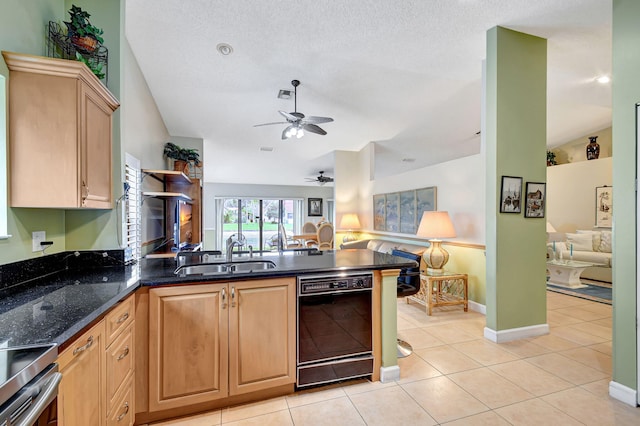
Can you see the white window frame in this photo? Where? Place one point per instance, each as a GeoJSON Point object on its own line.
{"type": "Point", "coordinates": [132, 208]}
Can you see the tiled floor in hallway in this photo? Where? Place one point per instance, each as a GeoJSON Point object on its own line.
{"type": "Point", "coordinates": [457, 377]}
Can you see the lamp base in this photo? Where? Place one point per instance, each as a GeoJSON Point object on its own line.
{"type": "Point", "coordinates": [435, 257]}
{"type": "Point", "coordinates": [349, 237]}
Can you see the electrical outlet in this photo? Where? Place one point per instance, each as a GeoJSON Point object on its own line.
{"type": "Point", "coordinates": [36, 238]}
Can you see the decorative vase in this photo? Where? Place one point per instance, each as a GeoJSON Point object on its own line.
{"type": "Point", "coordinates": [84, 44]}
{"type": "Point", "coordinates": [593, 149]}
{"type": "Point", "coordinates": [181, 166]}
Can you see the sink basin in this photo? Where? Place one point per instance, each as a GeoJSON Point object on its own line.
{"type": "Point", "coordinates": [224, 268]}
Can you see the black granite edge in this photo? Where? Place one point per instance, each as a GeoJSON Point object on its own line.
{"type": "Point", "coordinates": [17, 273]}
{"type": "Point", "coordinates": [73, 332]}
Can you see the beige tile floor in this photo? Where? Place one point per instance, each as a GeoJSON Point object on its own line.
{"type": "Point", "coordinates": [456, 377]}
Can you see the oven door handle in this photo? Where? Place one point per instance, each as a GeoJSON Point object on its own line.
{"type": "Point", "coordinates": [45, 397]}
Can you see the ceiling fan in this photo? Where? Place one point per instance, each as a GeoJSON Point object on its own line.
{"type": "Point", "coordinates": [321, 179]}
{"type": "Point", "coordinates": [297, 121]}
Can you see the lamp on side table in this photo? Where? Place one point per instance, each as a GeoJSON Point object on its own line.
{"type": "Point", "coordinates": [435, 225]}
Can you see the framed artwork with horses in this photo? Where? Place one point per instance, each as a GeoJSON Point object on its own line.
{"type": "Point", "coordinates": [511, 194]}
{"type": "Point", "coordinates": [535, 199]}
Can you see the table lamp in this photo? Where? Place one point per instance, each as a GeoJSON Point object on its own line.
{"type": "Point", "coordinates": [435, 225]}
{"type": "Point", "coordinates": [550, 228]}
{"type": "Point", "coordinates": [349, 221]}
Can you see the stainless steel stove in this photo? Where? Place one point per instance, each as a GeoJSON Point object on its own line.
{"type": "Point", "coordinates": [29, 381]}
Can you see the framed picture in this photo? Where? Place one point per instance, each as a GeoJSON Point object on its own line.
{"type": "Point", "coordinates": [392, 223]}
{"type": "Point", "coordinates": [379, 214]}
{"type": "Point", "coordinates": [510, 194]}
{"type": "Point", "coordinates": [408, 212]}
{"type": "Point", "coordinates": [314, 207]}
{"type": "Point", "coordinates": [604, 206]}
{"type": "Point", "coordinates": [535, 199]}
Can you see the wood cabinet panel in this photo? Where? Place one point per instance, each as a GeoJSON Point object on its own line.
{"type": "Point", "coordinates": [262, 334]}
{"type": "Point", "coordinates": [119, 319]}
{"type": "Point", "coordinates": [81, 395]}
{"type": "Point", "coordinates": [123, 413]}
{"type": "Point", "coordinates": [188, 341]}
{"type": "Point", "coordinates": [120, 361]}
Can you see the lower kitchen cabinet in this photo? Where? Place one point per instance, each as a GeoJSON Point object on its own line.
{"type": "Point", "coordinates": [81, 395]}
{"type": "Point", "coordinates": [212, 341]}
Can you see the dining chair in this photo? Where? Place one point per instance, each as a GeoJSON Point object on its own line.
{"type": "Point", "coordinates": [310, 228]}
{"type": "Point", "coordinates": [325, 236]}
{"type": "Point", "coordinates": [287, 242]}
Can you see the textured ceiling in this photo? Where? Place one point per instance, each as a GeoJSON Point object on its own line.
{"type": "Point", "coordinates": [403, 74]}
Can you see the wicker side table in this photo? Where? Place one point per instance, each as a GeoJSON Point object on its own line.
{"type": "Point", "coordinates": [448, 288]}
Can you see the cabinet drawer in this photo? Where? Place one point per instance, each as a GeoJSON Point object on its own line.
{"type": "Point", "coordinates": [123, 410]}
{"type": "Point", "coordinates": [85, 344]}
{"type": "Point", "coordinates": [119, 319]}
{"type": "Point", "coordinates": [120, 359]}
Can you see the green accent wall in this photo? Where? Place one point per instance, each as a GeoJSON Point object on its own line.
{"type": "Point", "coordinates": [516, 72]}
{"type": "Point", "coordinates": [626, 93]}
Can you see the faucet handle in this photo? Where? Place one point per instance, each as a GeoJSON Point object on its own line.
{"type": "Point", "coordinates": [250, 250]}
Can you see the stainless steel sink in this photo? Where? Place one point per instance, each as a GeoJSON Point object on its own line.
{"type": "Point", "coordinates": [224, 268]}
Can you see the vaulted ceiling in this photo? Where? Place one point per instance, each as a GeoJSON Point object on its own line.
{"type": "Point", "coordinates": [405, 75]}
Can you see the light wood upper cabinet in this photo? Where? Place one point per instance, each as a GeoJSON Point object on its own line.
{"type": "Point", "coordinates": [60, 131]}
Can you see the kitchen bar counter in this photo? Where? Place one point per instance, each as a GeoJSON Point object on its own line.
{"type": "Point", "coordinates": [53, 308]}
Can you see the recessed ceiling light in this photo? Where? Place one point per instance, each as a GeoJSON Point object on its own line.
{"type": "Point", "coordinates": [408, 160]}
{"type": "Point", "coordinates": [225, 49]}
{"type": "Point", "coordinates": [266, 148]}
{"type": "Point", "coordinates": [604, 79]}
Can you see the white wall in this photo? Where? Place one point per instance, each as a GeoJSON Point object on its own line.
{"type": "Point", "coordinates": [571, 193]}
{"type": "Point", "coordinates": [460, 188]}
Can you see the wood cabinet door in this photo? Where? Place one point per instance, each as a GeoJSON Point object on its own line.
{"type": "Point", "coordinates": [262, 334]}
{"type": "Point", "coordinates": [188, 345]}
{"type": "Point", "coordinates": [95, 142]}
{"type": "Point", "coordinates": [81, 395]}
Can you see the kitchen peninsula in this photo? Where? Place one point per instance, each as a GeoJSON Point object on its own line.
{"type": "Point", "coordinates": [200, 341]}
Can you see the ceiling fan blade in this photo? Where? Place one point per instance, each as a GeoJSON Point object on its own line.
{"type": "Point", "coordinates": [284, 132]}
{"type": "Point", "coordinates": [292, 116]}
{"type": "Point", "coordinates": [269, 124]}
{"type": "Point", "coordinates": [313, 128]}
{"type": "Point", "coordinates": [317, 120]}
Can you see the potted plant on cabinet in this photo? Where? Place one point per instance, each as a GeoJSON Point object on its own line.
{"type": "Point", "coordinates": [82, 34]}
{"type": "Point", "coordinates": [551, 158]}
{"type": "Point", "coordinates": [183, 157]}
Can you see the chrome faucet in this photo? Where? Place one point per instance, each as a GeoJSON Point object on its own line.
{"type": "Point", "coordinates": [231, 241]}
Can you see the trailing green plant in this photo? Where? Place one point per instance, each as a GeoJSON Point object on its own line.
{"type": "Point", "coordinates": [190, 155]}
{"type": "Point", "coordinates": [551, 158]}
{"type": "Point", "coordinates": [95, 67]}
{"type": "Point", "coordinates": [81, 26]}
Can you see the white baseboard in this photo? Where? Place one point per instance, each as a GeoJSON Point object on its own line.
{"type": "Point", "coordinates": [477, 307]}
{"type": "Point", "coordinates": [623, 393]}
{"type": "Point", "coordinates": [502, 336]}
{"type": "Point", "coordinates": [390, 374]}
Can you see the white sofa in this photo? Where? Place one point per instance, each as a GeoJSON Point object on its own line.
{"type": "Point", "coordinates": [588, 246]}
{"type": "Point", "coordinates": [383, 246]}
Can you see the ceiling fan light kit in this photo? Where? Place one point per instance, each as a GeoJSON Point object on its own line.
{"type": "Point", "coordinates": [297, 121]}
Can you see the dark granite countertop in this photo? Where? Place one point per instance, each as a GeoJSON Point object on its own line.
{"type": "Point", "coordinates": [160, 271]}
{"type": "Point", "coordinates": [55, 307]}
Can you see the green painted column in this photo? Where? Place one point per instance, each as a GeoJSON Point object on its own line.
{"type": "Point", "coordinates": [389, 317]}
{"type": "Point", "coordinates": [515, 134]}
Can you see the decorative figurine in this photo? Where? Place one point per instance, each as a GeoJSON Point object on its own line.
{"type": "Point", "coordinates": [593, 149]}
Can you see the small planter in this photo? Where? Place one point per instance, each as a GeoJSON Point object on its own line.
{"type": "Point", "coordinates": [181, 166]}
{"type": "Point", "coordinates": [84, 44]}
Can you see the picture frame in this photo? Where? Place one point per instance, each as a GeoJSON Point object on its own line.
{"type": "Point", "coordinates": [392, 206]}
{"type": "Point", "coordinates": [511, 194]}
{"type": "Point", "coordinates": [535, 199]}
{"type": "Point", "coordinates": [400, 212]}
{"type": "Point", "coordinates": [379, 212]}
{"type": "Point", "coordinates": [604, 206]}
{"type": "Point", "coordinates": [314, 207]}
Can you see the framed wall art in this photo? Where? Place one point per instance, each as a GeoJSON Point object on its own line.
{"type": "Point", "coordinates": [535, 199]}
{"type": "Point", "coordinates": [604, 206]}
{"type": "Point", "coordinates": [401, 211]}
{"type": "Point", "coordinates": [314, 207]}
{"type": "Point", "coordinates": [510, 194]}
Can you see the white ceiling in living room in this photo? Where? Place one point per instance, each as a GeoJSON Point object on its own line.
{"type": "Point", "coordinates": [403, 74]}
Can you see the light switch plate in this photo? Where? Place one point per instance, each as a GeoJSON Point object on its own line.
{"type": "Point", "coordinates": [36, 238]}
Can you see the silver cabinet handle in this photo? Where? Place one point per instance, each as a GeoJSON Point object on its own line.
{"type": "Point", "coordinates": [123, 318]}
{"type": "Point", "coordinates": [125, 412]}
{"type": "Point", "coordinates": [233, 296]}
{"type": "Point", "coordinates": [85, 192]}
{"type": "Point", "coordinates": [224, 298]}
{"type": "Point", "coordinates": [124, 353]}
{"type": "Point", "coordinates": [84, 347]}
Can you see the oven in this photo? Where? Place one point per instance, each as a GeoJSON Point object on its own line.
{"type": "Point", "coordinates": [29, 381]}
{"type": "Point", "coordinates": [335, 329]}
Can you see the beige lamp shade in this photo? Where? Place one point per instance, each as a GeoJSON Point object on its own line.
{"type": "Point", "coordinates": [435, 225]}
{"type": "Point", "coordinates": [550, 227]}
{"type": "Point", "coordinates": [350, 221]}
